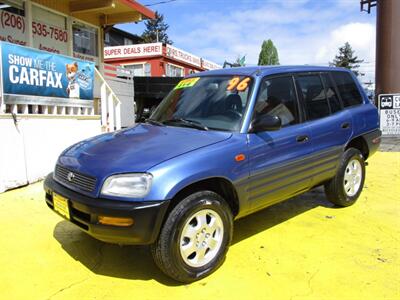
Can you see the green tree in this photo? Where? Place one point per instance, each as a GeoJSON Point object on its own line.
{"type": "Point", "coordinates": [346, 59]}
{"type": "Point", "coordinates": [268, 54]}
{"type": "Point", "coordinates": [156, 30]}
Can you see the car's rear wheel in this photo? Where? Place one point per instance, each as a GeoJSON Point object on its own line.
{"type": "Point", "coordinates": [195, 237]}
{"type": "Point", "coordinates": [345, 188]}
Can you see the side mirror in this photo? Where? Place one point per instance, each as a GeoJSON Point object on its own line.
{"type": "Point", "coordinates": [265, 123]}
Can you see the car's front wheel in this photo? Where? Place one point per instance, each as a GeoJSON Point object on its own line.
{"type": "Point", "coordinates": [195, 237]}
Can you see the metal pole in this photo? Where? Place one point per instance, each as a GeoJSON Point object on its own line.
{"type": "Point", "coordinates": [387, 66]}
{"type": "Point", "coordinates": [2, 104]}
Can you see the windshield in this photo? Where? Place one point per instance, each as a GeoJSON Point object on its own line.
{"type": "Point", "coordinates": [209, 102]}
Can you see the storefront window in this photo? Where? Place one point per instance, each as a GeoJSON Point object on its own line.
{"type": "Point", "coordinates": [49, 31]}
{"type": "Point", "coordinates": [13, 29]}
{"type": "Point", "coordinates": [174, 71]}
{"type": "Point", "coordinates": [15, 7]}
{"type": "Point", "coordinates": [85, 39]}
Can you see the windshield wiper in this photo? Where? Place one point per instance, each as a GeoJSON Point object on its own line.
{"type": "Point", "coordinates": [187, 123]}
{"type": "Point", "coordinates": [154, 122]}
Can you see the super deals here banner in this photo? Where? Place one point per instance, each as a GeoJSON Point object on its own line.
{"type": "Point", "coordinates": [27, 71]}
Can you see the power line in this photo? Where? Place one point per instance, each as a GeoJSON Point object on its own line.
{"type": "Point", "coordinates": [161, 2]}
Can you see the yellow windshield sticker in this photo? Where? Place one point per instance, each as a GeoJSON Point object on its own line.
{"type": "Point", "coordinates": [185, 83]}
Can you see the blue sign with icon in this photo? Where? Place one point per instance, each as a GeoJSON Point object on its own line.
{"type": "Point", "coordinates": [28, 71]}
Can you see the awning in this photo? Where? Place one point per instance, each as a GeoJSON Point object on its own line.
{"type": "Point", "coordinates": [110, 12]}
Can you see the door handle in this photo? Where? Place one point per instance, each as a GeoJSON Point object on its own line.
{"type": "Point", "coordinates": [345, 125]}
{"type": "Point", "coordinates": [302, 138]}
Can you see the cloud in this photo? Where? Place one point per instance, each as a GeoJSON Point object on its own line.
{"type": "Point", "coordinates": [305, 32]}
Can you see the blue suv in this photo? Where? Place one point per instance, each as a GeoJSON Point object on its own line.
{"type": "Point", "coordinates": [222, 145]}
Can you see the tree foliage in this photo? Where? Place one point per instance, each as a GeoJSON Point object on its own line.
{"type": "Point", "coordinates": [268, 54]}
{"type": "Point", "coordinates": [156, 27]}
{"type": "Point", "coordinates": [346, 59]}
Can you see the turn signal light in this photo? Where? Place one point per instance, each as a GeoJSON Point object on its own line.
{"type": "Point", "coordinates": [114, 221]}
{"type": "Point", "coordinates": [240, 157]}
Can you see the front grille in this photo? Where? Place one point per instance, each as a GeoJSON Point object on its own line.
{"type": "Point", "coordinates": [83, 182]}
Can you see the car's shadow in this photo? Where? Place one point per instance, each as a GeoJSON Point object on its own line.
{"type": "Point", "coordinates": [135, 262]}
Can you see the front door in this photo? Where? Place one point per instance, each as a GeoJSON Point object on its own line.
{"type": "Point", "coordinates": [279, 160]}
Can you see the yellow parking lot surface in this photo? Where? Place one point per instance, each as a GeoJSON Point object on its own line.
{"type": "Point", "coordinates": [303, 248]}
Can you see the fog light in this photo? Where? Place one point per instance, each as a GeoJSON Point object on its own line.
{"type": "Point", "coordinates": [122, 222]}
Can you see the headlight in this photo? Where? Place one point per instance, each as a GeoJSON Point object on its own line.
{"type": "Point", "coordinates": [135, 185]}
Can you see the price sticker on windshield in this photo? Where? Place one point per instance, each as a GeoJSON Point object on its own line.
{"type": "Point", "coordinates": [185, 83]}
{"type": "Point", "coordinates": [240, 85]}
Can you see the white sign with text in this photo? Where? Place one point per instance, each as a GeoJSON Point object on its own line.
{"type": "Point", "coordinates": [389, 109]}
{"type": "Point", "coordinates": [183, 56]}
{"type": "Point", "coordinates": [139, 50]}
{"type": "Point", "coordinates": [209, 65]}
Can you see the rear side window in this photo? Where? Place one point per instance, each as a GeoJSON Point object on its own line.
{"type": "Point", "coordinates": [331, 94]}
{"type": "Point", "coordinates": [313, 93]}
{"type": "Point", "coordinates": [347, 88]}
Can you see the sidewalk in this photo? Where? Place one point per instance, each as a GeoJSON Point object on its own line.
{"type": "Point", "coordinates": [390, 144]}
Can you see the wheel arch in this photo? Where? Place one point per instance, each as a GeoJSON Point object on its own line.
{"type": "Point", "coordinates": [360, 144]}
{"type": "Point", "coordinates": [219, 185]}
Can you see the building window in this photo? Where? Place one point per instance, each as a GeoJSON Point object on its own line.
{"type": "Point", "coordinates": [49, 31]}
{"type": "Point", "coordinates": [147, 69]}
{"type": "Point", "coordinates": [85, 39]}
{"type": "Point", "coordinates": [174, 71]}
{"type": "Point", "coordinates": [13, 22]}
{"type": "Point", "coordinates": [16, 7]}
{"type": "Point", "coordinates": [138, 70]}
{"type": "Point", "coordinates": [128, 41]}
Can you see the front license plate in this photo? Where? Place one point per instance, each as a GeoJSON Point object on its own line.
{"type": "Point", "coordinates": [61, 205]}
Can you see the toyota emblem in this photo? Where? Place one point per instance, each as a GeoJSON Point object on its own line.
{"type": "Point", "coordinates": [70, 176]}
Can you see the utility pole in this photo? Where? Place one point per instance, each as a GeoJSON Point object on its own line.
{"type": "Point", "coordinates": [387, 65]}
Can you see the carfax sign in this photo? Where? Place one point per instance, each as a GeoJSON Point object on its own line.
{"type": "Point", "coordinates": [389, 108]}
{"type": "Point", "coordinates": [27, 71]}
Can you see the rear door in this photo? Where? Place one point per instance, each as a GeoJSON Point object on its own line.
{"type": "Point", "coordinates": [279, 160]}
{"type": "Point", "coordinates": [330, 126]}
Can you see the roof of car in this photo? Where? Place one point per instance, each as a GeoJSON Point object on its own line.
{"type": "Point", "coordinates": [267, 70]}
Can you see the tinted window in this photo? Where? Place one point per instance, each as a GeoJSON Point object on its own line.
{"type": "Point", "coordinates": [314, 98]}
{"type": "Point", "coordinates": [277, 97]}
{"type": "Point", "coordinates": [347, 88]}
{"type": "Point", "coordinates": [331, 95]}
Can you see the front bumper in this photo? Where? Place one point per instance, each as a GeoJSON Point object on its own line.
{"type": "Point", "coordinates": [84, 212]}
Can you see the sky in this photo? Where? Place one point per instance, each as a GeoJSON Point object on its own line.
{"type": "Point", "coordinates": [304, 31]}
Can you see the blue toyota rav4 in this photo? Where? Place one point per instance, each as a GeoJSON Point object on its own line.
{"type": "Point", "coordinates": [223, 144]}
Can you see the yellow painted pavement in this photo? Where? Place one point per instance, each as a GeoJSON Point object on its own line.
{"type": "Point", "coordinates": [300, 249]}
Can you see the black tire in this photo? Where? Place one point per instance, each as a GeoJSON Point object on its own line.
{"type": "Point", "coordinates": [166, 250]}
{"type": "Point", "coordinates": [335, 189]}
